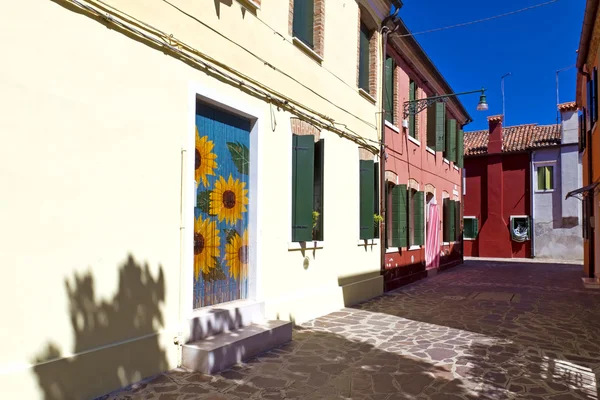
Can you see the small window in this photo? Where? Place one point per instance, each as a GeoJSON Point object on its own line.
{"type": "Point", "coordinates": [545, 178]}
{"type": "Point", "coordinates": [471, 228]}
{"type": "Point", "coordinates": [303, 24]}
{"type": "Point", "coordinates": [389, 90]}
{"type": "Point", "coordinates": [364, 62]}
{"type": "Point", "coordinates": [368, 199]}
{"type": "Point", "coordinates": [519, 228]}
{"type": "Point", "coordinates": [412, 119]}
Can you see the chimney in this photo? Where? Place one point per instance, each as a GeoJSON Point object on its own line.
{"type": "Point", "coordinates": [495, 139]}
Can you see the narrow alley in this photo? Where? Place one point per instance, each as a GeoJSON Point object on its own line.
{"type": "Point", "coordinates": [484, 330]}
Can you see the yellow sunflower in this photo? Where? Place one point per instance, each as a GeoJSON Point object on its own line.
{"type": "Point", "coordinates": [206, 245]}
{"type": "Point", "coordinates": [228, 199]}
{"type": "Point", "coordinates": [236, 256]}
{"type": "Point", "coordinates": [205, 158]}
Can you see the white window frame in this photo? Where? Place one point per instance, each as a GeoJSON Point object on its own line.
{"type": "Point", "coordinates": [540, 164]}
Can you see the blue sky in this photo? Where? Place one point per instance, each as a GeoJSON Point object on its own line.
{"type": "Point", "coordinates": [531, 45]}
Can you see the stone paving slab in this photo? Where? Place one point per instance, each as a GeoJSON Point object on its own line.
{"type": "Point", "coordinates": [432, 340]}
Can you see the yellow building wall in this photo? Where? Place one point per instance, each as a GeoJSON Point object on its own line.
{"type": "Point", "coordinates": [91, 136]}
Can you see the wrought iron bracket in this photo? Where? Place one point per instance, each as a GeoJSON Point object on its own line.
{"type": "Point", "coordinates": [414, 107]}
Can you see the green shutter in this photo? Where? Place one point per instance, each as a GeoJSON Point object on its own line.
{"type": "Point", "coordinates": [468, 228]}
{"type": "Point", "coordinates": [389, 90]}
{"type": "Point", "coordinates": [419, 218]}
{"type": "Point", "coordinates": [457, 219]}
{"type": "Point", "coordinates": [412, 122]}
{"type": "Point", "coordinates": [364, 58]}
{"type": "Point", "coordinates": [304, 12]}
{"type": "Point", "coordinates": [438, 125]}
{"type": "Point", "coordinates": [449, 220]}
{"type": "Point", "coordinates": [451, 140]}
{"type": "Point", "coordinates": [376, 227]}
{"type": "Point", "coordinates": [460, 149]}
{"type": "Point", "coordinates": [318, 187]}
{"type": "Point", "coordinates": [399, 216]}
{"type": "Point", "coordinates": [303, 159]}
{"type": "Point", "coordinates": [367, 201]}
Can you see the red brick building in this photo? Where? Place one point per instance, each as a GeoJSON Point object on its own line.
{"type": "Point", "coordinates": [497, 201]}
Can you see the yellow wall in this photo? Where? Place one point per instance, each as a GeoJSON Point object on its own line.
{"type": "Point", "coordinates": [91, 137]}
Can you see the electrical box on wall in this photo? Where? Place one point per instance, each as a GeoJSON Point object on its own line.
{"type": "Point", "coordinates": [405, 123]}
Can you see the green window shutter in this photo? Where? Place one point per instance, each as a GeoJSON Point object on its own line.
{"type": "Point", "coordinates": [431, 125]}
{"type": "Point", "coordinates": [451, 140]}
{"type": "Point", "coordinates": [449, 220]}
{"type": "Point", "coordinates": [318, 187]}
{"type": "Point", "coordinates": [304, 12]}
{"type": "Point", "coordinates": [457, 219]}
{"type": "Point", "coordinates": [468, 232]}
{"type": "Point", "coordinates": [399, 216]}
{"type": "Point", "coordinates": [460, 149]}
{"type": "Point", "coordinates": [389, 90]}
{"type": "Point", "coordinates": [419, 218]}
{"type": "Point", "coordinates": [364, 58]}
{"type": "Point", "coordinates": [446, 213]}
{"type": "Point", "coordinates": [376, 197]}
{"type": "Point", "coordinates": [303, 161]}
{"type": "Point", "coordinates": [440, 126]}
{"type": "Point", "coordinates": [412, 122]}
{"type": "Point", "coordinates": [367, 201]}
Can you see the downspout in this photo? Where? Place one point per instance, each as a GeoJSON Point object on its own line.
{"type": "Point", "coordinates": [385, 31]}
{"type": "Point", "coordinates": [532, 194]}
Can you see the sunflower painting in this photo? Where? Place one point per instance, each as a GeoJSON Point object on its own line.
{"type": "Point", "coordinates": [236, 256]}
{"type": "Point", "coordinates": [206, 245]}
{"type": "Point", "coordinates": [228, 199]}
{"type": "Point", "coordinates": [205, 163]}
{"type": "Point", "coordinates": [221, 254]}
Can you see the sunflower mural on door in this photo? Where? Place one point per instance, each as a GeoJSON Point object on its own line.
{"type": "Point", "coordinates": [221, 253]}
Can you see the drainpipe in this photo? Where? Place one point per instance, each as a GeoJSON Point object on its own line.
{"type": "Point", "coordinates": [532, 194]}
{"type": "Point", "coordinates": [385, 31]}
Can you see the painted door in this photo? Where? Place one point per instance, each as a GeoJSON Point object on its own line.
{"type": "Point", "coordinates": [221, 257]}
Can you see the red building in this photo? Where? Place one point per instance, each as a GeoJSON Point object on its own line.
{"type": "Point", "coordinates": [423, 167]}
{"type": "Point", "coordinates": [497, 201]}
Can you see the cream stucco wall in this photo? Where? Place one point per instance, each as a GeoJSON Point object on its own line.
{"type": "Point", "coordinates": [93, 134]}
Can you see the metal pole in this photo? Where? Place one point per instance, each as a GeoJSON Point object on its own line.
{"type": "Point", "coordinates": [503, 104]}
{"type": "Point", "coordinates": [557, 92]}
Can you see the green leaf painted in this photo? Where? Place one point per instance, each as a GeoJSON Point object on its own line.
{"type": "Point", "coordinates": [203, 202]}
{"type": "Point", "coordinates": [240, 156]}
{"type": "Point", "coordinates": [230, 234]}
{"type": "Point", "coordinates": [215, 274]}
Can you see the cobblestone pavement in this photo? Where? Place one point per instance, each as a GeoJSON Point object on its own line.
{"type": "Point", "coordinates": [484, 330]}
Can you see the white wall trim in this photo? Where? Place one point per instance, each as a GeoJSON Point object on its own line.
{"type": "Point", "coordinates": [238, 106]}
{"type": "Point", "coordinates": [412, 139]}
{"type": "Point", "coordinates": [392, 126]}
{"type": "Point", "coordinates": [430, 150]}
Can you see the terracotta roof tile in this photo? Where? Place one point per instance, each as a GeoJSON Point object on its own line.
{"type": "Point", "coordinates": [515, 138]}
{"type": "Point", "coordinates": [570, 106]}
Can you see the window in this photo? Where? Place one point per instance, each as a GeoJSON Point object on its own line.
{"type": "Point", "coordinates": [369, 203]}
{"type": "Point", "coordinates": [471, 228]}
{"type": "Point", "coordinates": [451, 140]}
{"type": "Point", "coordinates": [364, 61]}
{"type": "Point", "coordinates": [592, 98]}
{"type": "Point", "coordinates": [545, 178]}
{"type": "Point", "coordinates": [307, 188]}
{"type": "Point", "coordinates": [582, 131]}
{"type": "Point", "coordinates": [412, 118]}
{"type": "Point", "coordinates": [451, 214]}
{"type": "Point", "coordinates": [519, 228]}
{"type": "Point", "coordinates": [407, 217]}
{"type": "Point", "coordinates": [390, 86]}
{"type": "Point", "coordinates": [303, 25]}
{"type": "Point", "coordinates": [436, 126]}
{"type": "Point", "coordinates": [416, 218]}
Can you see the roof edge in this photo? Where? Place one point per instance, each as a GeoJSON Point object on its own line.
{"type": "Point", "coordinates": [587, 29]}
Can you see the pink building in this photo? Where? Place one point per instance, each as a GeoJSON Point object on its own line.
{"type": "Point", "coordinates": [424, 155]}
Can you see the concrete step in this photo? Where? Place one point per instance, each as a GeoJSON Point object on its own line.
{"type": "Point", "coordinates": [222, 351]}
{"type": "Point", "coordinates": [225, 317]}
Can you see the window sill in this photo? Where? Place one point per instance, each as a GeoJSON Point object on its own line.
{"type": "Point", "coordinates": [299, 43]}
{"type": "Point", "coordinates": [411, 248]}
{"type": "Point", "coordinates": [368, 242]}
{"type": "Point", "coordinates": [415, 141]}
{"type": "Point", "coordinates": [312, 245]}
{"type": "Point", "coordinates": [392, 126]}
{"type": "Point", "coordinates": [456, 168]}
{"type": "Point", "coordinates": [254, 5]}
{"type": "Point", "coordinates": [429, 149]}
{"type": "Point", "coordinates": [367, 95]}
{"type": "Point", "coordinates": [447, 161]}
{"type": "Point", "coordinates": [469, 239]}
{"type": "Point", "coordinates": [445, 243]}
{"type": "Point", "coordinates": [544, 191]}
{"type": "Point", "coordinates": [392, 250]}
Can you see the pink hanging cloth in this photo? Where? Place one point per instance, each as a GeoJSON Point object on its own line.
{"type": "Point", "coordinates": [432, 247]}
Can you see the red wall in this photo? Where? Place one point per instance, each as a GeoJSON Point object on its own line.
{"type": "Point", "coordinates": [510, 195]}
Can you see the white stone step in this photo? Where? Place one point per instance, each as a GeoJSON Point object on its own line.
{"type": "Point", "coordinates": [219, 352]}
{"type": "Point", "coordinates": [211, 321]}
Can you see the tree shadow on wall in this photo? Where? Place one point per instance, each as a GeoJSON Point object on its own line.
{"type": "Point", "coordinates": [130, 319]}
